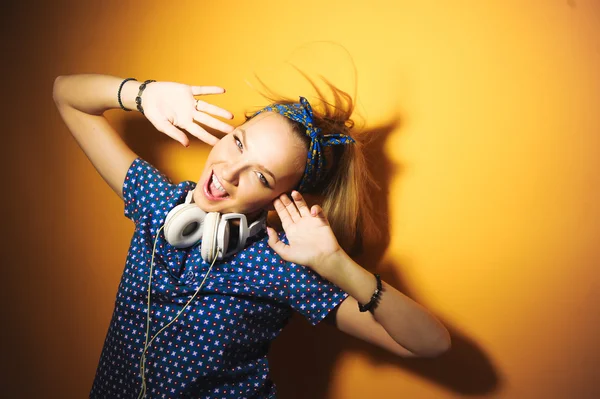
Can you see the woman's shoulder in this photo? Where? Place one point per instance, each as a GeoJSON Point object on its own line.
{"type": "Point", "coordinates": [146, 189]}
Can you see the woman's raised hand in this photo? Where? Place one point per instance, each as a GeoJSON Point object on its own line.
{"type": "Point", "coordinates": [171, 106]}
{"type": "Point", "coordinates": [311, 240]}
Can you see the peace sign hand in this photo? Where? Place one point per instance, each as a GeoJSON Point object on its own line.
{"type": "Point", "coordinates": [311, 240]}
{"type": "Point", "coordinates": [170, 106]}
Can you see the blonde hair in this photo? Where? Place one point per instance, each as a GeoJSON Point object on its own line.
{"type": "Point", "coordinates": [344, 190]}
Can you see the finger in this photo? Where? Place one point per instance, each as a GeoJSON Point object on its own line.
{"type": "Point", "coordinates": [201, 133]}
{"type": "Point", "coordinates": [283, 213]}
{"type": "Point", "coordinates": [317, 211]}
{"type": "Point", "coordinates": [291, 207]}
{"type": "Point", "coordinates": [213, 109]}
{"type": "Point", "coordinates": [203, 90]}
{"type": "Point", "coordinates": [212, 122]}
{"type": "Point", "coordinates": [167, 128]}
{"type": "Point", "coordinates": [277, 245]}
{"type": "Point", "coordinates": [300, 203]}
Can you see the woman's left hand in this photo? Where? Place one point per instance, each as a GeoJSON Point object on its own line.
{"type": "Point", "coordinates": [311, 240]}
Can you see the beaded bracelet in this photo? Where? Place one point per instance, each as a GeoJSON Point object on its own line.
{"type": "Point", "coordinates": [374, 297]}
{"type": "Point", "coordinates": [119, 94]}
{"type": "Point", "coordinates": [138, 99]}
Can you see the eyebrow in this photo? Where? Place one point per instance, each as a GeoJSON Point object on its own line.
{"type": "Point", "coordinates": [243, 138]}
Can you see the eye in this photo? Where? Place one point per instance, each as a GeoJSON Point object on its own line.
{"type": "Point", "coordinates": [263, 179]}
{"type": "Point", "coordinates": [238, 143]}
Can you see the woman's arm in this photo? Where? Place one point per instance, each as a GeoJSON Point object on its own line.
{"type": "Point", "coordinates": [396, 317]}
{"type": "Point", "coordinates": [81, 101]}
{"type": "Point", "coordinates": [363, 326]}
{"type": "Point", "coordinates": [398, 324]}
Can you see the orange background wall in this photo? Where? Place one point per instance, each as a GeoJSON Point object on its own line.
{"type": "Point", "coordinates": [487, 152]}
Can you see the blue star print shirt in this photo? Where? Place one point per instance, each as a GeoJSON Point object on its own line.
{"type": "Point", "coordinates": [217, 348]}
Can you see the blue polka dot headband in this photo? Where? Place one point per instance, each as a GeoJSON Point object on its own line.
{"type": "Point", "coordinates": [315, 162]}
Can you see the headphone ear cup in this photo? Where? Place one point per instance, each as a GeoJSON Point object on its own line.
{"type": "Point", "coordinates": [184, 225]}
{"type": "Point", "coordinates": [209, 240]}
{"type": "Point", "coordinates": [223, 235]}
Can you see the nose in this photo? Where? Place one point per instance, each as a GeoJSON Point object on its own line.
{"type": "Point", "coordinates": [231, 172]}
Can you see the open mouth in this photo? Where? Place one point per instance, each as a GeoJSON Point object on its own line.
{"type": "Point", "coordinates": [213, 189]}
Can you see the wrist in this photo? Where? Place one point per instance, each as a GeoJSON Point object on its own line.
{"type": "Point", "coordinates": [129, 92]}
{"type": "Point", "coordinates": [334, 265]}
{"type": "Point", "coordinates": [351, 277]}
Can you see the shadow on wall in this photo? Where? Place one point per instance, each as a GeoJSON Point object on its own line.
{"type": "Point", "coordinates": [143, 138]}
{"type": "Point", "coordinates": [303, 357]}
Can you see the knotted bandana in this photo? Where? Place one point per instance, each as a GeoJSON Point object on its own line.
{"type": "Point", "coordinates": [315, 161]}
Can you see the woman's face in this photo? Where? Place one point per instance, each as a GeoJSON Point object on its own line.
{"type": "Point", "coordinates": [248, 168]}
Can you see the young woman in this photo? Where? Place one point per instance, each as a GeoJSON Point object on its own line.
{"type": "Point", "coordinates": [196, 318]}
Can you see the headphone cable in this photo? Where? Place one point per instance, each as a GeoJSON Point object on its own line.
{"type": "Point", "coordinates": [148, 343]}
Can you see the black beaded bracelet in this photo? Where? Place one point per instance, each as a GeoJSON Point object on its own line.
{"type": "Point", "coordinates": [119, 94]}
{"type": "Point", "coordinates": [374, 297]}
{"type": "Point", "coordinates": [138, 99]}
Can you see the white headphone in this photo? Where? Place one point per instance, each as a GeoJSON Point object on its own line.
{"type": "Point", "coordinates": [187, 224]}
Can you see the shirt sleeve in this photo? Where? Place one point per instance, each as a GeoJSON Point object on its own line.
{"type": "Point", "coordinates": [310, 294]}
{"type": "Point", "coordinates": [143, 188]}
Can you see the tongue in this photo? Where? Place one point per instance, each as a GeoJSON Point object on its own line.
{"type": "Point", "coordinates": [215, 192]}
